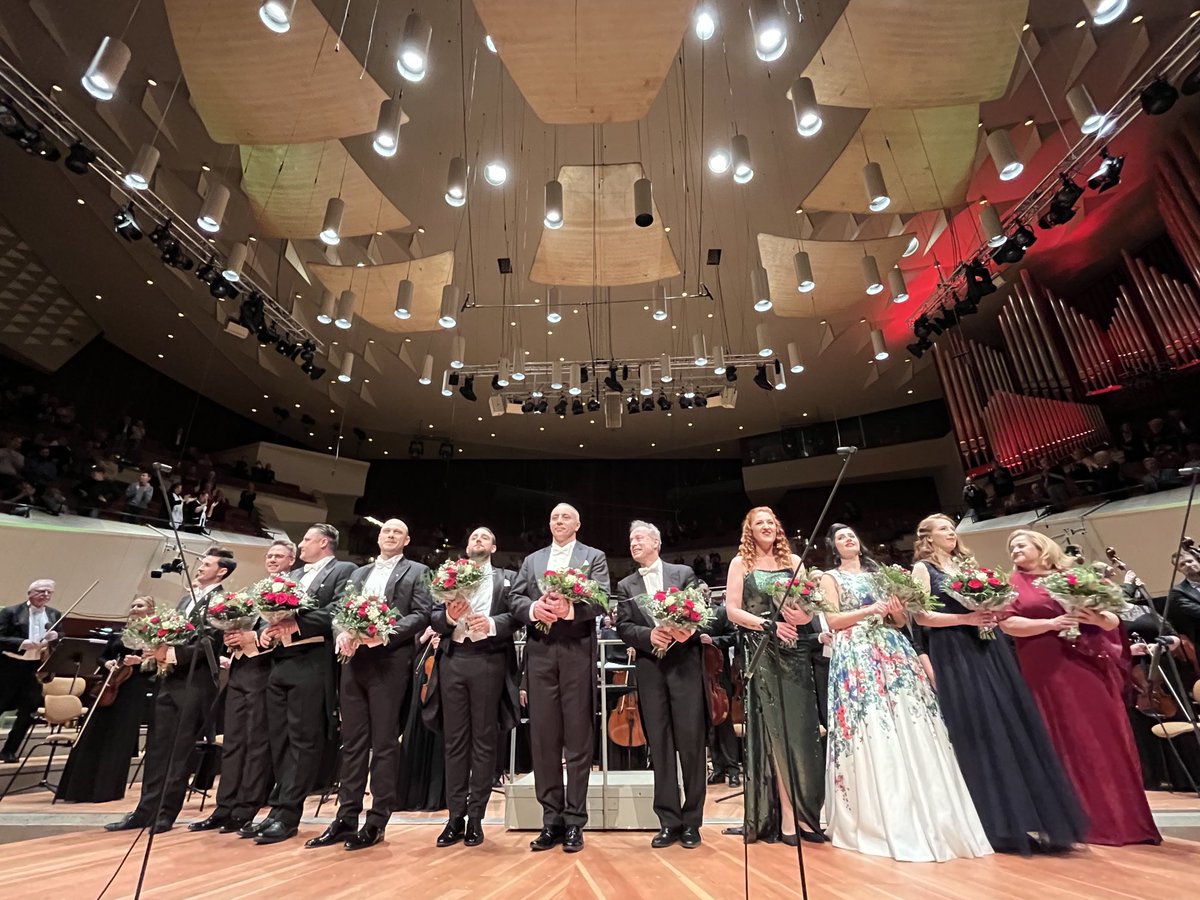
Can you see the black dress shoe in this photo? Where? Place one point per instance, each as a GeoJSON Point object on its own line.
{"type": "Point", "coordinates": [665, 838]}
{"type": "Point", "coordinates": [128, 823]}
{"type": "Point", "coordinates": [162, 827]}
{"type": "Point", "coordinates": [232, 825]}
{"type": "Point", "coordinates": [367, 836]}
{"type": "Point", "coordinates": [213, 821]}
{"type": "Point", "coordinates": [474, 835]}
{"type": "Point", "coordinates": [690, 837]}
{"type": "Point", "coordinates": [716, 778]}
{"type": "Point", "coordinates": [573, 839]}
{"type": "Point", "coordinates": [253, 829]}
{"type": "Point", "coordinates": [336, 833]}
{"type": "Point", "coordinates": [790, 839]}
{"type": "Point", "coordinates": [274, 832]}
{"type": "Point", "coordinates": [8, 758]}
{"type": "Point", "coordinates": [735, 780]}
{"type": "Point", "coordinates": [813, 837]}
{"type": "Point", "coordinates": [452, 833]}
{"type": "Point", "coordinates": [548, 837]}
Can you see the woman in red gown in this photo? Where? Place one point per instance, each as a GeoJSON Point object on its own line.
{"type": "Point", "coordinates": [1077, 685]}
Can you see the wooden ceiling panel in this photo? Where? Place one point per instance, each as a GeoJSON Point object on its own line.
{"type": "Point", "coordinates": [252, 86]}
{"type": "Point", "coordinates": [599, 242]}
{"type": "Point", "coordinates": [885, 53]}
{"type": "Point", "coordinates": [579, 63]}
{"type": "Point", "coordinates": [376, 287]}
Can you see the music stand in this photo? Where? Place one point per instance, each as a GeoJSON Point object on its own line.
{"type": "Point", "coordinates": [73, 658]}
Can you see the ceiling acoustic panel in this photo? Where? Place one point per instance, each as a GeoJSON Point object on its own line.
{"type": "Point", "coordinates": [288, 187]}
{"type": "Point", "coordinates": [376, 287]}
{"type": "Point", "coordinates": [252, 86]}
{"type": "Point", "coordinates": [599, 244]}
{"type": "Point", "coordinates": [927, 157]}
{"type": "Point", "coordinates": [837, 270]}
{"type": "Point", "coordinates": [578, 63]}
{"type": "Point", "coordinates": [884, 53]}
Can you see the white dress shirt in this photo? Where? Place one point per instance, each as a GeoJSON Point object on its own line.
{"type": "Point", "coordinates": [481, 605]}
{"type": "Point", "coordinates": [652, 576]}
{"type": "Point", "coordinates": [560, 556]}
{"type": "Point", "coordinates": [312, 572]}
{"type": "Point", "coordinates": [38, 623]}
{"type": "Point", "coordinates": [377, 579]}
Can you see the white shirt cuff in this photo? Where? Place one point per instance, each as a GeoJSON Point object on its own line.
{"type": "Point", "coordinates": [171, 655]}
{"type": "Point", "coordinates": [491, 632]}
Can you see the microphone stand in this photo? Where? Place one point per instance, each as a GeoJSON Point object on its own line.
{"type": "Point", "coordinates": [752, 666]}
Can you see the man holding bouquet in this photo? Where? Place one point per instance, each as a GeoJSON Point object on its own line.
{"type": "Point", "coordinates": [561, 669]}
{"type": "Point", "coordinates": [477, 681]}
{"type": "Point", "coordinates": [670, 678]}
{"type": "Point", "coordinates": [374, 684]}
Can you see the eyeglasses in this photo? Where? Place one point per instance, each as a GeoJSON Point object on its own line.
{"type": "Point", "coordinates": [42, 591]}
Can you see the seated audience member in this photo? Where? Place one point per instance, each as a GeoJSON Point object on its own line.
{"type": "Point", "coordinates": [1157, 478]}
{"type": "Point", "coordinates": [137, 498]}
{"type": "Point", "coordinates": [246, 501]}
{"type": "Point", "coordinates": [95, 494]}
{"type": "Point", "coordinates": [12, 462]}
{"type": "Point", "coordinates": [41, 469]}
{"type": "Point", "coordinates": [975, 497]}
{"type": "Point", "coordinates": [1109, 480]}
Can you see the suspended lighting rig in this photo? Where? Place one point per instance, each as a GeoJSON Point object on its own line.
{"type": "Point", "coordinates": [702, 293]}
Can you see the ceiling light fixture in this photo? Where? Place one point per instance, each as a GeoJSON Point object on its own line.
{"type": "Point", "coordinates": [331, 225]}
{"type": "Point", "coordinates": [795, 364]}
{"type": "Point", "coordinates": [780, 377]}
{"type": "Point", "coordinates": [404, 299]}
{"type": "Point", "coordinates": [764, 340]}
{"type": "Point", "coordinates": [277, 14]}
{"type": "Point", "coordinates": [235, 263]}
{"type": "Point", "coordinates": [553, 305]}
{"type": "Point", "coordinates": [705, 22]}
{"type": "Point", "coordinates": [914, 244]}
{"type": "Point", "coordinates": [327, 308]}
{"type": "Point", "coordinates": [719, 362]}
{"type": "Point", "coordinates": [760, 377]}
{"type": "Point", "coordinates": [1108, 175]}
{"type": "Point", "coordinates": [1158, 97]}
{"type": "Point", "coordinates": [212, 211]}
{"type": "Point", "coordinates": [412, 60]}
{"type": "Point", "coordinates": [553, 215]}
{"type": "Point", "coordinates": [387, 128]}
{"type": "Point", "coordinates": [699, 352]}
{"type": "Point", "coordinates": [345, 310]}
{"type": "Point", "coordinates": [495, 173]}
{"type": "Point", "coordinates": [802, 266]}
{"type": "Point", "coordinates": [518, 366]}
{"type": "Point", "coordinates": [896, 283]}
{"type": "Point", "coordinates": [489, 43]}
{"type": "Point", "coordinates": [1083, 108]}
{"type": "Point", "coordinates": [664, 369]}
{"type": "Point", "coordinates": [878, 345]}
{"type": "Point", "coordinates": [645, 379]}
{"type": "Point", "coordinates": [719, 161]}
{"type": "Point", "coordinates": [447, 391]}
{"type": "Point", "coordinates": [989, 223]}
{"type": "Point", "coordinates": [456, 182]}
{"type": "Point", "coordinates": [104, 72]}
{"type": "Point", "coordinates": [769, 25]}
{"type": "Point", "coordinates": [347, 368]}
{"type": "Point", "coordinates": [760, 287]}
{"type": "Point", "coordinates": [643, 203]}
{"type": "Point", "coordinates": [877, 193]}
{"type": "Point", "coordinates": [142, 171]}
{"type": "Point", "coordinates": [448, 314]}
{"type": "Point", "coordinates": [556, 376]}
{"type": "Point", "coordinates": [805, 110]}
{"type": "Point", "coordinates": [1004, 155]}
{"type": "Point", "coordinates": [739, 156]}
{"type": "Point", "coordinates": [467, 389]}
{"type": "Point", "coordinates": [574, 389]}
{"type": "Point", "coordinates": [1105, 11]}
{"type": "Point", "coordinates": [660, 303]}
{"type": "Point", "coordinates": [870, 271]}
{"type": "Point", "coordinates": [458, 351]}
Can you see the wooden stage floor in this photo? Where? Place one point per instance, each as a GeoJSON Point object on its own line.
{"type": "Point", "coordinates": [77, 863]}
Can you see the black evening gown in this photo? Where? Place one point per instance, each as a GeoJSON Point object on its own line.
{"type": "Point", "coordinates": [97, 768]}
{"type": "Point", "coordinates": [422, 783]}
{"type": "Point", "coordinates": [1020, 790]}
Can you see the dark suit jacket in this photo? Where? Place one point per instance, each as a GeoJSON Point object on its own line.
{"type": "Point", "coordinates": [203, 646]}
{"type": "Point", "coordinates": [14, 625]}
{"type": "Point", "coordinates": [634, 624]}
{"type": "Point", "coordinates": [525, 591]}
{"type": "Point", "coordinates": [407, 594]}
{"type": "Point", "coordinates": [318, 622]}
{"type": "Point", "coordinates": [1184, 609]}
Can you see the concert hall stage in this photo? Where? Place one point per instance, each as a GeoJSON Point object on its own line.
{"type": "Point", "coordinates": [63, 855]}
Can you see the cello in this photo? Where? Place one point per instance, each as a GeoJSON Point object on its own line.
{"type": "Point", "coordinates": [625, 722]}
{"type": "Point", "coordinates": [718, 699]}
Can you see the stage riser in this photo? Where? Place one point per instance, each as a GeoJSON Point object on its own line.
{"type": "Point", "coordinates": [627, 804]}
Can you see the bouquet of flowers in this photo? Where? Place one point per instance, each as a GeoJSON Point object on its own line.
{"type": "Point", "coordinates": [977, 587]}
{"type": "Point", "coordinates": [896, 581]}
{"type": "Point", "coordinates": [165, 629]}
{"type": "Point", "coordinates": [277, 597]}
{"type": "Point", "coordinates": [455, 578]}
{"type": "Point", "coordinates": [805, 595]}
{"type": "Point", "coordinates": [1083, 587]}
{"type": "Point", "coordinates": [573, 584]}
{"type": "Point", "coordinates": [232, 612]}
{"type": "Point", "coordinates": [678, 608]}
{"type": "Point", "coordinates": [366, 618]}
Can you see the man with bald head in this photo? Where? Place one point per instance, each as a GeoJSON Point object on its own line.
{"type": "Point", "coordinates": [374, 685]}
{"type": "Point", "coordinates": [24, 630]}
{"type": "Point", "coordinates": [561, 669]}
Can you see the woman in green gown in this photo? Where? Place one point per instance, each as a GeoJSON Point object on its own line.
{"type": "Point", "coordinates": [785, 769]}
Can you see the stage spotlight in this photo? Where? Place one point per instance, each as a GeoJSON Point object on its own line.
{"type": "Point", "coordinates": [945, 319]}
{"type": "Point", "coordinates": [1108, 176]}
{"type": "Point", "coordinates": [1025, 236]}
{"type": "Point", "coordinates": [577, 407]}
{"type": "Point", "coordinates": [208, 271]}
{"type": "Point", "coordinates": [633, 405]}
{"type": "Point", "coordinates": [126, 224]}
{"type": "Point", "coordinates": [79, 158]}
{"type": "Point", "coordinates": [1158, 97]}
{"type": "Point", "coordinates": [467, 389]}
{"type": "Point", "coordinates": [979, 283]}
{"type": "Point", "coordinates": [731, 373]}
{"type": "Point", "coordinates": [663, 403]}
{"type": "Point", "coordinates": [250, 314]}
{"type": "Point", "coordinates": [647, 404]}
{"type": "Point", "coordinates": [918, 348]}
{"type": "Point", "coordinates": [583, 374]}
{"type": "Point", "coordinates": [542, 406]}
{"type": "Point", "coordinates": [611, 381]}
{"type": "Point", "coordinates": [685, 402]}
{"type": "Point", "coordinates": [496, 385]}
{"type": "Point", "coordinates": [965, 306]}
{"type": "Point", "coordinates": [760, 378]}
{"type": "Point", "coordinates": [445, 450]}
{"type": "Point", "coordinates": [528, 406]}
{"type": "Point", "coordinates": [312, 371]}
{"type": "Point", "coordinates": [701, 400]}
{"type": "Point", "coordinates": [11, 123]}
{"type": "Point", "coordinates": [221, 289]}
{"type": "Point", "coordinates": [1062, 204]}
{"type": "Point", "coordinates": [923, 328]}
{"type": "Point", "coordinates": [1191, 82]}
{"type": "Point", "coordinates": [1007, 253]}
{"type": "Point", "coordinates": [268, 335]}
{"type": "Point", "coordinates": [560, 408]}
{"type": "Point", "coordinates": [33, 142]}
{"type": "Point", "coordinates": [416, 449]}
{"type": "Point", "coordinates": [593, 405]}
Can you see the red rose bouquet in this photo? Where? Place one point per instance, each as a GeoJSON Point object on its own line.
{"type": "Point", "coordinates": [1083, 587]}
{"type": "Point", "coordinates": [277, 597]}
{"type": "Point", "coordinates": [165, 629]}
{"type": "Point", "coordinates": [686, 608]}
{"type": "Point", "coordinates": [977, 587]}
{"type": "Point", "coordinates": [455, 578]}
{"type": "Point", "coordinates": [232, 612]}
{"type": "Point", "coordinates": [805, 595]}
{"type": "Point", "coordinates": [573, 584]}
{"type": "Point", "coordinates": [366, 619]}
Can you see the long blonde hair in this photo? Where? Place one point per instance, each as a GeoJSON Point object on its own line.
{"type": "Point", "coordinates": [781, 550]}
{"type": "Point", "coordinates": [923, 546]}
{"type": "Point", "coordinates": [1050, 555]}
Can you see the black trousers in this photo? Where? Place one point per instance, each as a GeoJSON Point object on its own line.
{"type": "Point", "coordinates": [19, 690]}
{"type": "Point", "coordinates": [297, 718]}
{"type": "Point", "coordinates": [671, 696]}
{"type": "Point", "coordinates": [374, 686]}
{"type": "Point", "coordinates": [562, 682]}
{"type": "Point", "coordinates": [471, 685]}
{"type": "Point", "coordinates": [180, 713]}
{"type": "Point", "coordinates": [723, 743]}
{"type": "Point", "coordinates": [246, 750]}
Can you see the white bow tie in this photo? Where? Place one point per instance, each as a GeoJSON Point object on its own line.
{"type": "Point", "coordinates": [308, 567]}
{"type": "Point", "coordinates": [647, 570]}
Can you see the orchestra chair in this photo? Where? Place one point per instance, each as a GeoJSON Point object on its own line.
{"type": "Point", "coordinates": [60, 711]}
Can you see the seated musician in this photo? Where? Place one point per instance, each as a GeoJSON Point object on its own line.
{"type": "Point", "coordinates": [26, 631]}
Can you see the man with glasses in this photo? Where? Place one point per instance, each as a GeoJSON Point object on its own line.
{"type": "Point", "coordinates": [26, 630]}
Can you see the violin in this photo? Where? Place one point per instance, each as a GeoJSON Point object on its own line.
{"type": "Point", "coordinates": [425, 668]}
{"type": "Point", "coordinates": [106, 691]}
{"type": "Point", "coordinates": [625, 722]}
{"type": "Point", "coordinates": [718, 699]}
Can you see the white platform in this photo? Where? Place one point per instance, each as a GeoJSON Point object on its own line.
{"type": "Point", "coordinates": [625, 804]}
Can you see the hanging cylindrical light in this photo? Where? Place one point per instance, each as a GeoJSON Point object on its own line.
{"type": "Point", "coordinates": [503, 368]}
{"type": "Point", "coordinates": [877, 192]}
{"type": "Point", "coordinates": [404, 299]}
{"type": "Point", "coordinates": [794, 361]}
{"type": "Point", "coordinates": [495, 173]}
{"type": "Point", "coordinates": [646, 378]}
{"type": "Point", "coordinates": [804, 273]}
{"type": "Point", "coordinates": [104, 72]}
{"type": "Point", "coordinates": [739, 157]}
{"type": "Point", "coordinates": [643, 203]}
{"type": "Point", "coordinates": [897, 285]}
{"type": "Point", "coordinates": [704, 21]}
{"type": "Point", "coordinates": [328, 307]}
{"type": "Point", "coordinates": [212, 210]}
{"type": "Point", "coordinates": [427, 370]}
{"type": "Point", "coordinates": [574, 390]}
{"type": "Point", "coordinates": [347, 367]}
{"type": "Point", "coordinates": [760, 288]}
{"type": "Point", "coordinates": [345, 310]}
{"type": "Point", "coordinates": [718, 161]}
{"type": "Point", "coordinates": [458, 352]}
{"type": "Point", "coordinates": [805, 110]}
{"type": "Point", "coordinates": [456, 182]}
{"type": "Point", "coordinates": [387, 128]}
{"type": "Point", "coordinates": [1004, 155]}
{"type": "Point", "coordinates": [553, 305]}
{"type": "Point", "coordinates": [989, 222]}
{"type": "Point", "coordinates": [518, 367]}
{"type": "Point", "coordinates": [142, 171]}
{"type": "Point", "coordinates": [914, 244]}
{"type": "Point", "coordinates": [1105, 11]}
{"type": "Point", "coordinates": [780, 377]}
{"type": "Point", "coordinates": [331, 225]}
{"type": "Point", "coordinates": [1083, 108]}
{"type": "Point", "coordinates": [764, 340]}
{"type": "Point", "coordinates": [878, 344]}
{"type": "Point", "coordinates": [660, 303]}
{"type": "Point", "coordinates": [553, 215]}
{"type": "Point", "coordinates": [699, 353]}
{"type": "Point", "coordinates": [556, 376]}
{"type": "Point", "coordinates": [769, 26]}
{"type": "Point", "coordinates": [277, 14]}
{"type": "Point", "coordinates": [719, 364]}
{"type": "Point", "coordinates": [664, 369]}
{"type": "Point", "coordinates": [235, 263]}
{"type": "Point", "coordinates": [448, 314]}
{"type": "Point", "coordinates": [870, 271]}
{"type": "Point", "coordinates": [447, 391]}
{"type": "Point", "coordinates": [412, 60]}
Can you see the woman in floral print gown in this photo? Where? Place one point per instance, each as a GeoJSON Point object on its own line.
{"type": "Point", "coordinates": [893, 786]}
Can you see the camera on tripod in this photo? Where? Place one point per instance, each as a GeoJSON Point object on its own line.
{"type": "Point", "coordinates": [175, 565]}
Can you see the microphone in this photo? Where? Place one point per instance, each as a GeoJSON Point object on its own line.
{"type": "Point", "coordinates": [164, 468]}
{"type": "Point", "coordinates": [846, 451]}
{"type": "Point", "coordinates": [1189, 471]}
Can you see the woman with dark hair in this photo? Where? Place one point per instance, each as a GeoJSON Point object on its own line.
{"type": "Point", "coordinates": [893, 784]}
{"type": "Point", "coordinates": [1024, 798]}
{"type": "Point", "coordinates": [784, 766]}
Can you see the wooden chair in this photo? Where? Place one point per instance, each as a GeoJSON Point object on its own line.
{"type": "Point", "coordinates": [60, 711]}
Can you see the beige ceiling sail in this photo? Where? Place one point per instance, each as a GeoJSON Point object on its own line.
{"type": "Point", "coordinates": [927, 157]}
{"type": "Point", "coordinates": [253, 86]}
{"type": "Point", "coordinates": [599, 242]}
{"type": "Point", "coordinates": [288, 187]}
{"type": "Point", "coordinates": [837, 270]}
{"type": "Point", "coordinates": [376, 288]}
{"type": "Point", "coordinates": [587, 62]}
{"type": "Point", "coordinates": [909, 55]}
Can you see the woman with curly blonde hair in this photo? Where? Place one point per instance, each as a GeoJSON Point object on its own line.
{"type": "Point", "coordinates": [785, 768]}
